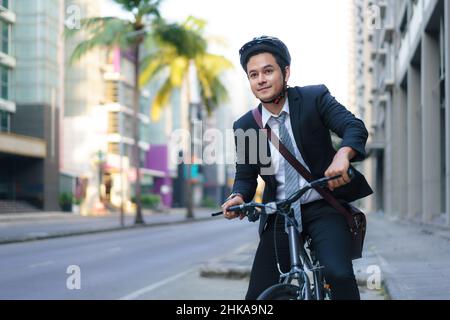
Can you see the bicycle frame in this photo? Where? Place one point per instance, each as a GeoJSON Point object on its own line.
{"type": "Point", "coordinates": [300, 260]}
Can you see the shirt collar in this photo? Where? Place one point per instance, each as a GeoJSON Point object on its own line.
{"type": "Point", "coordinates": [266, 114]}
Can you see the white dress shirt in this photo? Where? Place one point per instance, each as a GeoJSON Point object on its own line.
{"type": "Point", "coordinates": [278, 159]}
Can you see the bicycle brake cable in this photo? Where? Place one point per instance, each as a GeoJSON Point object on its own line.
{"type": "Point", "coordinates": [275, 241]}
{"type": "Point", "coordinates": [276, 245]}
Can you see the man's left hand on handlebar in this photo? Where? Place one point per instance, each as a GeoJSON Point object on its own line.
{"type": "Point", "coordinates": [340, 166]}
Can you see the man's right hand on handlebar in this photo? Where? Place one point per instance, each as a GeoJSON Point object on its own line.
{"type": "Point", "coordinates": [236, 200]}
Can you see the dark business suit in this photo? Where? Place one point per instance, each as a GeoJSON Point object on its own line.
{"type": "Point", "coordinates": [313, 113]}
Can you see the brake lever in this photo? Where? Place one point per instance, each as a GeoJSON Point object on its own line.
{"type": "Point", "coordinates": [253, 215]}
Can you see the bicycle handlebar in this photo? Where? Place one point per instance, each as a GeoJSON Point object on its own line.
{"type": "Point", "coordinates": [287, 202]}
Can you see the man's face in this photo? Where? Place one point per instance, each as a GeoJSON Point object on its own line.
{"type": "Point", "coordinates": [265, 76]}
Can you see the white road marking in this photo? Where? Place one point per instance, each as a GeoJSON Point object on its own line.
{"type": "Point", "coordinates": [114, 250]}
{"type": "Point", "coordinates": [154, 286]}
{"type": "Point", "coordinates": [41, 264]}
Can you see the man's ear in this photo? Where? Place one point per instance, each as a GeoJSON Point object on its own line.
{"type": "Point", "coordinates": [288, 73]}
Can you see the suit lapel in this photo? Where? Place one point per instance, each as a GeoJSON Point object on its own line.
{"type": "Point", "coordinates": [295, 110]}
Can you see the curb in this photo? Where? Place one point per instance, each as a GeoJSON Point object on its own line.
{"type": "Point", "coordinates": [235, 266]}
{"type": "Point", "coordinates": [224, 272]}
{"type": "Point", "coordinates": [104, 230]}
{"type": "Point", "coordinates": [364, 275]}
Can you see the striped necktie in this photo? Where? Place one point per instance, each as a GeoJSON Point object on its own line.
{"type": "Point", "coordinates": [291, 178]}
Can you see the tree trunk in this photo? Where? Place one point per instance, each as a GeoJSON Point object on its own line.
{"type": "Point", "coordinates": [189, 186]}
{"type": "Point", "coordinates": [138, 219]}
{"type": "Point", "coordinates": [189, 212]}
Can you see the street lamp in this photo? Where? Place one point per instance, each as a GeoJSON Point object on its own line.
{"type": "Point", "coordinates": [122, 184]}
{"type": "Point", "coordinates": [101, 162]}
{"type": "Point", "coordinates": [194, 117]}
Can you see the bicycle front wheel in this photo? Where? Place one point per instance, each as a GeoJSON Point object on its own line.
{"type": "Point", "coordinates": [281, 292]}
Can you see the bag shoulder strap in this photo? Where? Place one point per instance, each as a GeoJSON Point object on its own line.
{"type": "Point", "coordinates": [301, 169]}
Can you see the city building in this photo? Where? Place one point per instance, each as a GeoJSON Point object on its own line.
{"type": "Point", "coordinates": [98, 159]}
{"type": "Point", "coordinates": [31, 99]}
{"type": "Point", "coordinates": [410, 127]}
{"type": "Point", "coordinates": [98, 134]}
{"type": "Point", "coordinates": [360, 84]}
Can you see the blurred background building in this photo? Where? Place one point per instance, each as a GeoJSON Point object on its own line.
{"type": "Point", "coordinates": [402, 71]}
{"type": "Point", "coordinates": [32, 93]}
{"type": "Point", "coordinates": [67, 128]}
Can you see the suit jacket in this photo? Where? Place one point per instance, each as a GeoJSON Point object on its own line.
{"type": "Point", "coordinates": [313, 113]}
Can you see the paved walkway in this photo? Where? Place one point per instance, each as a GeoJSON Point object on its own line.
{"type": "Point", "coordinates": [402, 260]}
{"type": "Point", "coordinates": [414, 259]}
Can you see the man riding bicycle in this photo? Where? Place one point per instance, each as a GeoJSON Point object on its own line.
{"type": "Point", "coordinates": [302, 118]}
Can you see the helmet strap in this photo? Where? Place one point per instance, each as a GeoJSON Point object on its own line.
{"type": "Point", "coordinates": [279, 97]}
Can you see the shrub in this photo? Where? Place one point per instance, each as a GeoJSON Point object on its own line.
{"type": "Point", "coordinates": [208, 202]}
{"type": "Point", "coordinates": [65, 201]}
{"type": "Point", "coordinates": [150, 201]}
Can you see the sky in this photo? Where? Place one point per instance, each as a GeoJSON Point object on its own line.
{"type": "Point", "coordinates": [315, 31]}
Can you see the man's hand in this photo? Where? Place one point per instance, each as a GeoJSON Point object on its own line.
{"type": "Point", "coordinates": [339, 166]}
{"type": "Point", "coordinates": [237, 200]}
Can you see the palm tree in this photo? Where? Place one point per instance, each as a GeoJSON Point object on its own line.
{"type": "Point", "coordinates": [178, 48]}
{"type": "Point", "coordinates": [113, 32]}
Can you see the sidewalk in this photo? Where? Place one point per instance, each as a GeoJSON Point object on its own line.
{"type": "Point", "coordinates": [20, 227]}
{"type": "Point", "coordinates": [414, 259]}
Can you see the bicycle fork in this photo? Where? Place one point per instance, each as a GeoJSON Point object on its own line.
{"type": "Point", "coordinates": [298, 262]}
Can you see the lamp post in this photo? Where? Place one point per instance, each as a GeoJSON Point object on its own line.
{"type": "Point", "coordinates": [194, 123]}
{"type": "Point", "coordinates": [122, 184]}
{"type": "Point", "coordinates": [189, 186]}
{"type": "Point", "coordinates": [101, 162]}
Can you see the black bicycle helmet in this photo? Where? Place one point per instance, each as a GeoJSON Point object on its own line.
{"type": "Point", "coordinates": [264, 44]}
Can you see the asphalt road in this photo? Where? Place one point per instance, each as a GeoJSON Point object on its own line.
{"type": "Point", "coordinates": [128, 264]}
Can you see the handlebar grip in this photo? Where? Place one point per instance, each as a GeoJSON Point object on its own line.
{"type": "Point", "coordinates": [235, 208]}
{"type": "Point", "coordinates": [230, 209]}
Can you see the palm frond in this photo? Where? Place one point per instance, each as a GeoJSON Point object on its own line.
{"type": "Point", "coordinates": [187, 42]}
{"type": "Point", "coordinates": [209, 68]}
{"type": "Point", "coordinates": [161, 100]}
{"type": "Point", "coordinates": [86, 24]}
{"type": "Point", "coordinates": [101, 32]}
{"type": "Point", "coordinates": [151, 66]}
{"type": "Point", "coordinates": [178, 71]}
{"type": "Point", "coordinates": [218, 94]}
{"type": "Point", "coordinates": [172, 48]}
{"type": "Point", "coordinates": [213, 64]}
{"type": "Point", "coordinates": [194, 24]}
{"type": "Point", "coordinates": [130, 5]}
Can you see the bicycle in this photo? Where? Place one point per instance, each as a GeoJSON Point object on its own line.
{"type": "Point", "coordinates": [304, 265]}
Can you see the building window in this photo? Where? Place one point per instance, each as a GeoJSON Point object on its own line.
{"type": "Point", "coordinates": [4, 83]}
{"type": "Point", "coordinates": [112, 92]}
{"type": "Point", "coordinates": [5, 4]}
{"type": "Point", "coordinates": [113, 123]}
{"type": "Point", "coordinates": [4, 121]}
{"type": "Point", "coordinates": [113, 148]}
{"type": "Point", "coordinates": [4, 37]}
